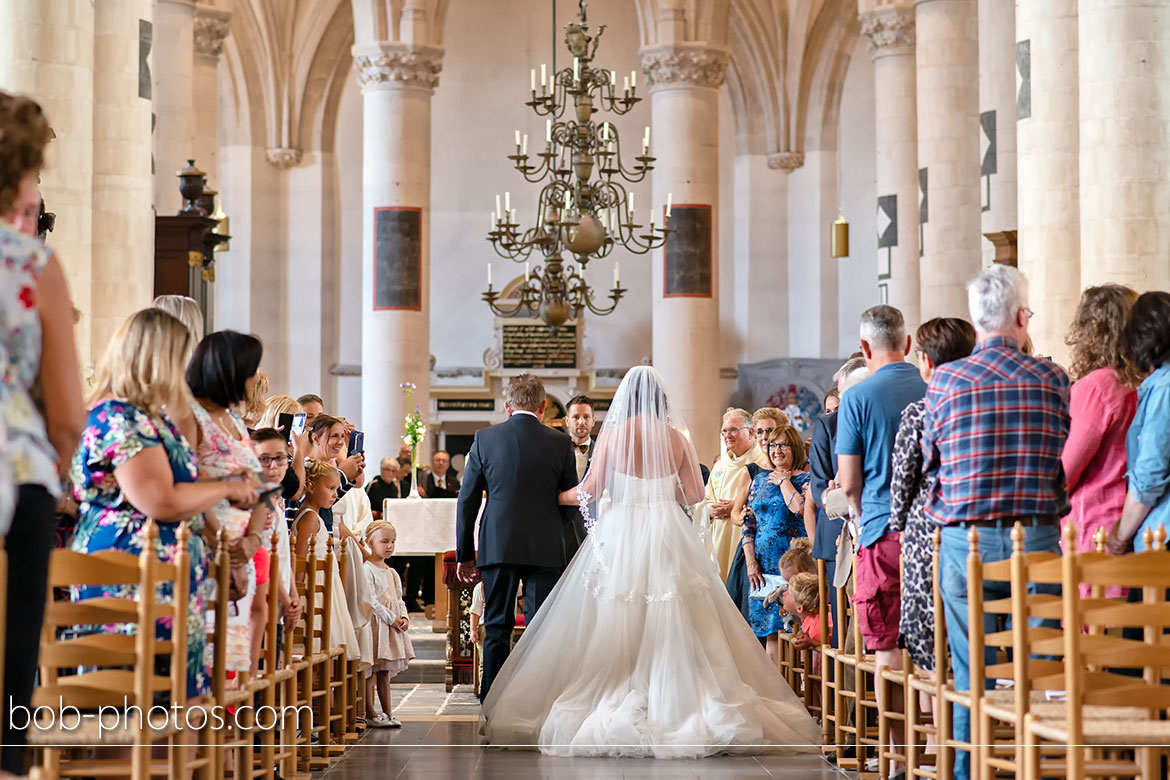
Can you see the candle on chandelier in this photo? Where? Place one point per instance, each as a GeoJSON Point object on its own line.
{"type": "Point", "coordinates": [630, 204]}
{"type": "Point", "coordinates": [633, 79]}
{"type": "Point", "coordinates": [613, 78]}
{"type": "Point", "coordinates": [646, 141]}
{"type": "Point", "coordinates": [524, 146]}
{"type": "Point", "coordinates": [489, 276]}
{"type": "Point", "coordinates": [651, 220]}
{"type": "Point", "coordinates": [576, 69]}
{"type": "Point", "coordinates": [567, 199]}
{"type": "Point", "coordinates": [526, 272]}
{"type": "Point", "coordinates": [517, 140]}
{"type": "Point", "coordinates": [669, 198]}
{"type": "Point", "coordinates": [616, 275]}
{"type": "Point", "coordinates": [626, 85]}
{"type": "Point", "coordinates": [547, 130]}
{"type": "Point", "coordinates": [532, 79]}
{"type": "Point", "coordinates": [543, 76]}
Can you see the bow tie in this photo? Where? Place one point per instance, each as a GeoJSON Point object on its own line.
{"type": "Point", "coordinates": [582, 448]}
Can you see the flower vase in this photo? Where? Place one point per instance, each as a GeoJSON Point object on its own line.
{"type": "Point", "coordinates": [414, 473]}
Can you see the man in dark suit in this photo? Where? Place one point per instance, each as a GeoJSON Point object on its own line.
{"type": "Point", "coordinates": [579, 421]}
{"type": "Point", "coordinates": [441, 481]}
{"type": "Point", "coordinates": [523, 466]}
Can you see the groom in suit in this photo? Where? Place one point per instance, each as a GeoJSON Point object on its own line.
{"type": "Point", "coordinates": [579, 421]}
{"type": "Point", "coordinates": [522, 465]}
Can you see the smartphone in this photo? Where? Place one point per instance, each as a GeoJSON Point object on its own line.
{"type": "Point", "coordinates": [298, 423]}
{"type": "Point", "coordinates": [284, 424]}
{"type": "Point", "coordinates": [357, 443]}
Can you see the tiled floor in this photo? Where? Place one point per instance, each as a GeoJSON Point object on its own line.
{"type": "Point", "coordinates": [440, 739]}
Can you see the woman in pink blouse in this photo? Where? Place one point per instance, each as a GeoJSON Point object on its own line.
{"type": "Point", "coordinates": [1102, 405]}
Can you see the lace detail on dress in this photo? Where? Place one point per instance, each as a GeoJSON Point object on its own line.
{"type": "Point", "coordinates": [583, 499]}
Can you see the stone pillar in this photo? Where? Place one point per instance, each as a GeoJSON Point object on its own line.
{"type": "Point", "coordinates": [174, 99]}
{"type": "Point", "coordinates": [947, 59]}
{"type": "Point", "coordinates": [1124, 85]}
{"type": "Point", "coordinates": [891, 31]}
{"type": "Point", "coordinates": [123, 254]}
{"type": "Point", "coordinates": [47, 53]}
{"type": "Point", "coordinates": [397, 82]}
{"type": "Point", "coordinates": [684, 104]}
{"type": "Point", "coordinates": [1048, 129]}
{"type": "Point", "coordinates": [997, 118]}
{"type": "Point", "coordinates": [211, 26]}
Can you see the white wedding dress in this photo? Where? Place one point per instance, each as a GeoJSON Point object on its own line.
{"type": "Point", "coordinates": [639, 651]}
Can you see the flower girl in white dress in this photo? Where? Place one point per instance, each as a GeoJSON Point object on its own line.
{"type": "Point", "coordinates": [392, 649]}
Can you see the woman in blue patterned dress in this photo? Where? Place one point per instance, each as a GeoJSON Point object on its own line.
{"type": "Point", "coordinates": [133, 464]}
{"type": "Point", "coordinates": [774, 517]}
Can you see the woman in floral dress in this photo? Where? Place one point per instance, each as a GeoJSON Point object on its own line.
{"type": "Point", "coordinates": [222, 375]}
{"type": "Point", "coordinates": [774, 517]}
{"type": "Point", "coordinates": [133, 465]}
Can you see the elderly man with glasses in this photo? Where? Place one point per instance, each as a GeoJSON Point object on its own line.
{"type": "Point", "coordinates": [739, 449]}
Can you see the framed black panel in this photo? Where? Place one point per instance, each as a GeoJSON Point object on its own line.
{"type": "Point", "coordinates": [1024, 68]}
{"type": "Point", "coordinates": [887, 215]}
{"type": "Point", "coordinates": [397, 258]}
{"type": "Point", "coordinates": [145, 36]}
{"type": "Point", "coordinates": [687, 254]}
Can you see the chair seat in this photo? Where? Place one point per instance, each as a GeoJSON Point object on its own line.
{"type": "Point", "coordinates": [114, 730]}
{"type": "Point", "coordinates": [1000, 705]}
{"type": "Point", "coordinates": [1118, 730]}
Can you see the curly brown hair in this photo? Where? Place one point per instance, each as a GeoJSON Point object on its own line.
{"type": "Point", "coordinates": [1097, 330]}
{"type": "Point", "coordinates": [24, 133]}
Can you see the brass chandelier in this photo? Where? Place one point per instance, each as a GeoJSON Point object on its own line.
{"type": "Point", "coordinates": [575, 212]}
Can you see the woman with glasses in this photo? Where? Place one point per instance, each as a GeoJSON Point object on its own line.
{"type": "Point", "coordinates": [774, 517]}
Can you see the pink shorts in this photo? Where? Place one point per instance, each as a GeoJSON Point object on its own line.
{"type": "Point", "coordinates": [877, 597]}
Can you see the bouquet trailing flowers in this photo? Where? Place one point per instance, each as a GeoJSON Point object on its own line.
{"type": "Point", "coordinates": [416, 430]}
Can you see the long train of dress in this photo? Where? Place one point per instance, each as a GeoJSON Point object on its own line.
{"type": "Point", "coordinates": [639, 651]}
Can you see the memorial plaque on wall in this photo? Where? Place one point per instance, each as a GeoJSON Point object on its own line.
{"type": "Point", "coordinates": [467, 405]}
{"type": "Point", "coordinates": [397, 258]}
{"type": "Point", "coordinates": [687, 254]}
{"type": "Point", "coordinates": [533, 346]}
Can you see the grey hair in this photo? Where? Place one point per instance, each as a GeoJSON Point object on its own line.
{"type": "Point", "coordinates": [883, 327]}
{"type": "Point", "coordinates": [743, 414]}
{"type": "Point", "coordinates": [855, 377]}
{"type": "Point", "coordinates": [525, 392]}
{"type": "Point", "coordinates": [847, 368]}
{"type": "Point", "coordinates": [996, 296]}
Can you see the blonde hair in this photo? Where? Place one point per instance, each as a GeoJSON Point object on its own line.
{"type": "Point", "coordinates": [275, 406]}
{"type": "Point", "coordinates": [378, 525]}
{"type": "Point", "coordinates": [144, 362]}
{"type": "Point", "coordinates": [770, 413]}
{"type": "Point", "coordinates": [186, 311]}
{"type": "Point", "coordinates": [255, 404]}
{"type": "Point", "coordinates": [806, 594]}
{"type": "Point", "coordinates": [799, 556]}
{"type": "Point", "coordinates": [317, 470]}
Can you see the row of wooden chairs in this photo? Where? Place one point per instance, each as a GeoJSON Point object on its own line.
{"type": "Point", "coordinates": [97, 688]}
{"type": "Point", "coordinates": [1090, 702]}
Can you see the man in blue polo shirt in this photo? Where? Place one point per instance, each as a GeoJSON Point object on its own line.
{"type": "Point", "coordinates": [867, 424]}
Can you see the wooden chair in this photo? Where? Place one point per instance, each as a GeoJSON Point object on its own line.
{"type": "Point", "coordinates": [920, 728]}
{"type": "Point", "coordinates": [1107, 710]}
{"type": "Point", "coordinates": [108, 672]}
{"type": "Point", "coordinates": [885, 683]}
{"type": "Point", "coordinates": [352, 689]}
{"type": "Point", "coordinates": [309, 662]}
{"type": "Point", "coordinates": [276, 674]}
{"type": "Point", "coordinates": [828, 683]}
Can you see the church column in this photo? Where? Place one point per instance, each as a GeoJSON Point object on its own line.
{"type": "Point", "coordinates": [123, 268]}
{"type": "Point", "coordinates": [397, 82]}
{"type": "Point", "coordinates": [684, 104]}
{"type": "Point", "coordinates": [174, 104]}
{"type": "Point", "coordinates": [997, 117]}
{"type": "Point", "coordinates": [891, 31]}
{"type": "Point", "coordinates": [211, 26]}
{"type": "Point", "coordinates": [1124, 82]}
{"type": "Point", "coordinates": [947, 60]}
{"type": "Point", "coordinates": [1047, 131]}
{"type": "Point", "coordinates": [47, 53]}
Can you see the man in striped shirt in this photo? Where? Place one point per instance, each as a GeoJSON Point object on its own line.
{"type": "Point", "coordinates": [994, 428]}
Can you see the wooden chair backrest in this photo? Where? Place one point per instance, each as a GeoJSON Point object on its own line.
{"type": "Point", "coordinates": [1096, 658]}
{"type": "Point", "coordinates": [119, 669]}
{"type": "Point", "coordinates": [271, 627]}
{"type": "Point", "coordinates": [220, 571]}
{"type": "Point", "coordinates": [305, 569]}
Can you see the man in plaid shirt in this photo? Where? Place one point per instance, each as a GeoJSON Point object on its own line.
{"type": "Point", "coordinates": [994, 428]}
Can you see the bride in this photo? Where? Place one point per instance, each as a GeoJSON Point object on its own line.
{"type": "Point", "coordinates": [638, 650]}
